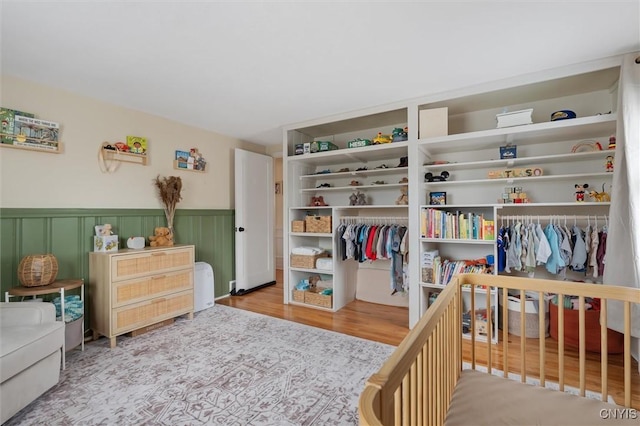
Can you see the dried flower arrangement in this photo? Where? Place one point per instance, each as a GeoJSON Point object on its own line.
{"type": "Point", "coordinates": [169, 191]}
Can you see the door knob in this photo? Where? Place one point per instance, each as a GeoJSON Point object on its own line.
{"type": "Point", "coordinates": [241, 229]}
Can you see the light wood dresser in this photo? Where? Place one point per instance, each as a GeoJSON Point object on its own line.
{"type": "Point", "coordinates": [131, 289]}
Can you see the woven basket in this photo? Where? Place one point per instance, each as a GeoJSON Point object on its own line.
{"type": "Point", "coordinates": [307, 262]}
{"type": "Point", "coordinates": [313, 297]}
{"type": "Point", "coordinates": [37, 270]}
{"type": "Point", "coordinates": [298, 295]}
{"type": "Point", "coordinates": [297, 226]}
{"type": "Point", "coordinates": [318, 224]}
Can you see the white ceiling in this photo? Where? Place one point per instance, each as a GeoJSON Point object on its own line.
{"type": "Point", "coordinates": [245, 69]}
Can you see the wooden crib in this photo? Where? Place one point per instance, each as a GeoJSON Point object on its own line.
{"type": "Point", "coordinates": [433, 376]}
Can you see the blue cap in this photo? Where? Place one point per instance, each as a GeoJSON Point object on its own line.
{"type": "Point", "coordinates": [563, 114]}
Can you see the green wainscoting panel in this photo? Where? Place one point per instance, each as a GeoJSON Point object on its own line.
{"type": "Point", "coordinates": [68, 234]}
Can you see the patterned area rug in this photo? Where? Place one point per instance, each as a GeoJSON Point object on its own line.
{"type": "Point", "coordinates": [227, 367]}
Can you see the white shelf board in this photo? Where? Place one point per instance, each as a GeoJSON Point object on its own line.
{"type": "Point", "coordinates": [362, 173]}
{"type": "Point", "coordinates": [365, 154]}
{"type": "Point", "coordinates": [517, 179]}
{"type": "Point", "coordinates": [313, 271]}
{"type": "Point", "coordinates": [544, 159]}
{"type": "Point", "coordinates": [351, 188]}
{"type": "Point", "coordinates": [310, 234]}
{"type": "Point", "coordinates": [548, 132]}
{"type": "Point", "coordinates": [457, 241]}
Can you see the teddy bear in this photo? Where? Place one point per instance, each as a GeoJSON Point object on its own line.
{"type": "Point", "coordinates": [162, 237]}
{"type": "Point", "coordinates": [313, 281]}
{"type": "Point", "coordinates": [317, 202]}
{"type": "Point", "coordinates": [106, 230]}
{"type": "Point", "coordinates": [403, 199]}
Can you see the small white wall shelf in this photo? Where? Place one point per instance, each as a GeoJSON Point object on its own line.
{"type": "Point", "coordinates": [181, 165]}
{"type": "Point", "coordinates": [33, 145]}
{"type": "Point", "coordinates": [127, 157]}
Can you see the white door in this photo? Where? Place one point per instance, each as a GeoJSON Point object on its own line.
{"type": "Point", "coordinates": [255, 210]}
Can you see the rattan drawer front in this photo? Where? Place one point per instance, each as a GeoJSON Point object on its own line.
{"type": "Point", "coordinates": [139, 289]}
{"type": "Point", "coordinates": [132, 317]}
{"type": "Point", "coordinates": [153, 262]}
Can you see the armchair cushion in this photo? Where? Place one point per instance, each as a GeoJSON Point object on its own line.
{"type": "Point", "coordinates": [29, 331]}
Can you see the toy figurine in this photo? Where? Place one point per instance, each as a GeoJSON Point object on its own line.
{"type": "Point", "coordinates": [612, 142]}
{"type": "Point", "coordinates": [429, 177]}
{"type": "Point", "coordinates": [600, 197]}
{"type": "Point", "coordinates": [580, 190]}
{"type": "Point", "coordinates": [399, 134]}
{"type": "Point", "coordinates": [609, 164]}
{"type": "Point", "coordinates": [382, 139]}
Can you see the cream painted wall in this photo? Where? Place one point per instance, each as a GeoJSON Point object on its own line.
{"type": "Point", "coordinates": [73, 179]}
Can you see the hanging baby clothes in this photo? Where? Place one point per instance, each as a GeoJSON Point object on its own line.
{"type": "Point", "coordinates": [579, 257]}
{"type": "Point", "coordinates": [593, 261]}
{"type": "Point", "coordinates": [533, 246]}
{"type": "Point", "coordinates": [514, 250]}
{"type": "Point", "coordinates": [503, 243]}
{"type": "Point", "coordinates": [397, 281]}
{"type": "Point", "coordinates": [602, 250]}
{"type": "Point", "coordinates": [555, 262]}
{"type": "Point", "coordinates": [342, 243]}
{"type": "Point", "coordinates": [544, 249]}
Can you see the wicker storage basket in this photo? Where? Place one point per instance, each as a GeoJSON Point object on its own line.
{"type": "Point", "coordinates": [297, 226]}
{"type": "Point", "coordinates": [307, 262]}
{"type": "Point", "coordinates": [313, 297]}
{"type": "Point", "coordinates": [37, 270]}
{"type": "Point", "coordinates": [298, 295]}
{"type": "Point", "coordinates": [318, 224]}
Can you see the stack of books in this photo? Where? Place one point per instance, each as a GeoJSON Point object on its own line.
{"type": "Point", "coordinates": [427, 263]}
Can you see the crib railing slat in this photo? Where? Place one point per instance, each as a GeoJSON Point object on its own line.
{"type": "Point", "coordinates": [542, 332]}
{"type": "Point", "coordinates": [523, 340]}
{"type": "Point", "coordinates": [582, 335]}
{"type": "Point", "coordinates": [560, 299]}
{"type": "Point", "coordinates": [505, 332]}
{"type": "Point", "coordinates": [604, 351]}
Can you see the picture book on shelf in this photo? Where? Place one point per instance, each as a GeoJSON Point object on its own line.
{"type": "Point", "coordinates": [35, 133]}
{"type": "Point", "coordinates": [182, 156]}
{"type": "Point", "coordinates": [137, 144]}
{"type": "Point", "coordinates": [7, 117]}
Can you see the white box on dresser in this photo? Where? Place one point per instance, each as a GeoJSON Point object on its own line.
{"type": "Point", "coordinates": [131, 289]}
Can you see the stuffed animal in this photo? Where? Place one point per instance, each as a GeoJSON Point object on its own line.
{"type": "Point", "coordinates": [403, 199]}
{"type": "Point", "coordinates": [162, 237]}
{"type": "Point", "coordinates": [353, 199]}
{"type": "Point", "coordinates": [362, 199]}
{"type": "Point", "coordinates": [317, 202]}
{"type": "Point", "coordinates": [106, 230]}
{"type": "Point", "coordinates": [313, 281]}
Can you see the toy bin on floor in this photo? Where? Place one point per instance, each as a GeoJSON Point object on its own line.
{"type": "Point", "coordinates": [615, 340]}
{"type": "Point", "coordinates": [531, 316]}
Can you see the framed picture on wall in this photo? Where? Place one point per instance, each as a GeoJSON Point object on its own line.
{"type": "Point", "coordinates": [438, 198]}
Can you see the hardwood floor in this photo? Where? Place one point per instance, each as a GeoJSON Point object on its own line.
{"type": "Point", "coordinates": [388, 324]}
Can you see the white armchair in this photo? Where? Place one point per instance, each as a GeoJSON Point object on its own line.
{"type": "Point", "coordinates": [31, 344]}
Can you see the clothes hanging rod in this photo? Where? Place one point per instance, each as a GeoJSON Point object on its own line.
{"type": "Point", "coordinates": [375, 218]}
{"type": "Point", "coordinates": [553, 217]}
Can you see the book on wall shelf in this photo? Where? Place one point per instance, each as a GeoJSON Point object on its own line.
{"type": "Point", "coordinates": [7, 117]}
{"type": "Point", "coordinates": [28, 132]}
{"type": "Point", "coordinates": [137, 144]}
